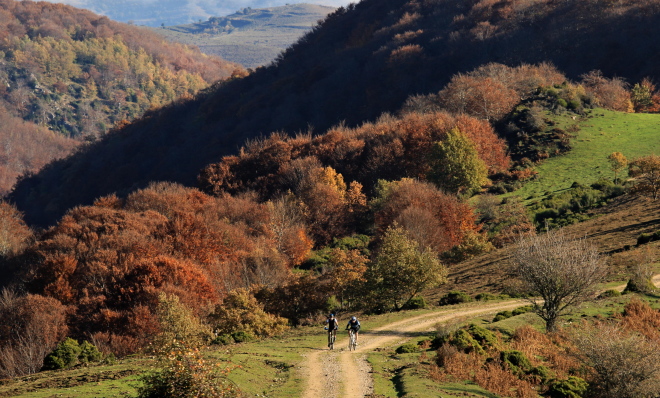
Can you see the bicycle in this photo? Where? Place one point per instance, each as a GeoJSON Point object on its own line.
{"type": "Point", "coordinates": [352, 343]}
{"type": "Point", "coordinates": [331, 340]}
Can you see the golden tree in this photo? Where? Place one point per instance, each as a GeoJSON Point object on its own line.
{"type": "Point", "coordinates": [618, 162]}
{"type": "Point", "coordinates": [348, 269]}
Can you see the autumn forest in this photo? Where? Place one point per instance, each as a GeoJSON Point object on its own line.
{"type": "Point", "coordinates": [158, 201]}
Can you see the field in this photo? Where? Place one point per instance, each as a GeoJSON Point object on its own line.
{"type": "Point", "coordinates": [601, 133]}
{"type": "Point", "coordinates": [252, 39]}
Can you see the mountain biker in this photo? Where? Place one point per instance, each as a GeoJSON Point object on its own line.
{"type": "Point", "coordinates": [354, 325]}
{"type": "Point", "coordinates": [333, 325]}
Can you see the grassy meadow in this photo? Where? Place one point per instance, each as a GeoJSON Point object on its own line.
{"type": "Point", "coordinates": [601, 133]}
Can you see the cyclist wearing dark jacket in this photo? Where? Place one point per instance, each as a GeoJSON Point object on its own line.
{"type": "Point", "coordinates": [354, 325]}
{"type": "Point", "coordinates": [333, 325]}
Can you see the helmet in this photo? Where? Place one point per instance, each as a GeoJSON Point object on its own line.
{"type": "Point", "coordinates": [331, 315]}
{"type": "Point", "coordinates": [354, 319]}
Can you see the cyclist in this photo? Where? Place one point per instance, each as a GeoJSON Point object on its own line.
{"type": "Point", "coordinates": [354, 325]}
{"type": "Point", "coordinates": [333, 325]}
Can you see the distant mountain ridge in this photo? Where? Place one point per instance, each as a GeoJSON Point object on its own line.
{"type": "Point", "coordinates": [177, 12]}
{"type": "Point", "coordinates": [250, 37]}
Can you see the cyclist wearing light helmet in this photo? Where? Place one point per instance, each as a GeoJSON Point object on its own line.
{"type": "Point", "coordinates": [333, 325]}
{"type": "Point", "coordinates": [354, 325]}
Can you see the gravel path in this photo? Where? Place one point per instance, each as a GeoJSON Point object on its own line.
{"type": "Point", "coordinates": [348, 372]}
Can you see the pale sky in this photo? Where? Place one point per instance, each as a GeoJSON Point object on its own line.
{"type": "Point", "coordinates": [172, 12]}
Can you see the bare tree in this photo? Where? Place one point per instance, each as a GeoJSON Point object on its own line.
{"type": "Point", "coordinates": [561, 269]}
{"type": "Point", "coordinates": [625, 364]}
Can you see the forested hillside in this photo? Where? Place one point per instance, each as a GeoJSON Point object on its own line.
{"type": "Point", "coordinates": [360, 62]}
{"type": "Point", "coordinates": [77, 74]}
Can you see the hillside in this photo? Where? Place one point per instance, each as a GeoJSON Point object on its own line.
{"type": "Point", "coordinates": [362, 61]}
{"type": "Point", "coordinates": [77, 74]}
{"type": "Point", "coordinates": [252, 37]}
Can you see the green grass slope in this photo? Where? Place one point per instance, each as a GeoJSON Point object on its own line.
{"type": "Point", "coordinates": [601, 133]}
{"type": "Point", "coordinates": [251, 38]}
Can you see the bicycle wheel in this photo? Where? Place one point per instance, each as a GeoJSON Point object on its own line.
{"type": "Point", "coordinates": [332, 344]}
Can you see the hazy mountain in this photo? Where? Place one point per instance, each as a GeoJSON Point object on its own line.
{"type": "Point", "coordinates": [252, 37]}
{"type": "Point", "coordinates": [177, 12]}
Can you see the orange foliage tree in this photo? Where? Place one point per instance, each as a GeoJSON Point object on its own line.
{"type": "Point", "coordinates": [109, 262]}
{"type": "Point", "coordinates": [433, 218]}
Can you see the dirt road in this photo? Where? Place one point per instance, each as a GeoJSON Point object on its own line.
{"type": "Point", "coordinates": [346, 374]}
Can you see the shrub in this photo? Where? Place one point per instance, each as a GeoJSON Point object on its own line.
{"type": "Point", "coordinates": [517, 361]}
{"type": "Point", "coordinates": [185, 373]}
{"type": "Point", "coordinates": [242, 337]}
{"type": "Point", "coordinates": [574, 387]}
{"type": "Point", "coordinates": [177, 322]}
{"type": "Point", "coordinates": [574, 104]}
{"type": "Point", "coordinates": [445, 351]}
{"type": "Point", "coordinates": [485, 297]}
{"type": "Point", "coordinates": [465, 342]}
{"type": "Point", "coordinates": [522, 310]}
{"type": "Point", "coordinates": [110, 359]}
{"type": "Point", "coordinates": [240, 311]}
{"type": "Point", "coordinates": [499, 318]}
{"type": "Point", "coordinates": [484, 336]}
{"type": "Point", "coordinates": [407, 348]}
{"type": "Point", "coordinates": [455, 297]}
{"type": "Point", "coordinates": [562, 103]}
{"type": "Point", "coordinates": [543, 373]}
{"type": "Point", "coordinates": [502, 316]}
{"type": "Point", "coordinates": [611, 293]}
{"type": "Point", "coordinates": [636, 286]}
{"type": "Point", "coordinates": [333, 305]}
{"type": "Point", "coordinates": [64, 356]}
{"type": "Point", "coordinates": [415, 303]}
{"type": "Point", "coordinates": [223, 339]}
{"type": "Point", "coordinates": [644, 238]}
{"type": "Point", "coordinates": [89, 353]}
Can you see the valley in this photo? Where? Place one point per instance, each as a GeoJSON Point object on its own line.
{"type": "Point", "coordinates": [473, 186]}
{"type": "Point", "coordinates": [251, 38]}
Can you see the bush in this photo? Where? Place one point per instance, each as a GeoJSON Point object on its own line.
{"type": "Point", "coordinates": [89, 353]}
{"type": "Point", "coordinates": [64, 356]}
{"type": "Point", "coordinates": [415, 303]}
{"type": "Point", "coordinates": [484, 336]}
{"type": "Point", "coordinates": [455, 297]}
{"type": "Point", "coordinates": [407, 348]}
{"type": "Point", "coordinates": [574, 387]}
{"type": "Point", "coordinates": [223, 339]}
{"type": "Point", "coordinates": [544, 373]}
{"type": "Point", "coordinates": [517, 361]}
{"type": "Point", "coordinates": [242, 337]}
{"type": "Point", "coordinates": [465, 342]}
{"type": "Point", "coordinates": [110, 359]}
{"type": "Point", "coordinates": [333, 305]}
{"type": "Point", "coordinates": [611, 293]}
{"type": "Point", "coordinates": [445, 351]}
{"type": "Point", "coordinates": [522, 310]}
{"type": "Point", "coordinates": [562, 103]}
{"type": "Point", "coordinates": [635, 286]}
{"type": "Point", "coordinates": [574, 104]}
{"type": "Point", "coordinates": [485, 297]}
{"type": "Point", "coordinates": [646, 238]}
{"type": "Point", "coordinates": [185, 373]}
{"type": "Point", "coordinates": [240, 311]}
{"type": "Point", "coordinates": [502, 316]}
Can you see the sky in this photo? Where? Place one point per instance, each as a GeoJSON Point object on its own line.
{"type": "Point", "coordinates": [174, 12]}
